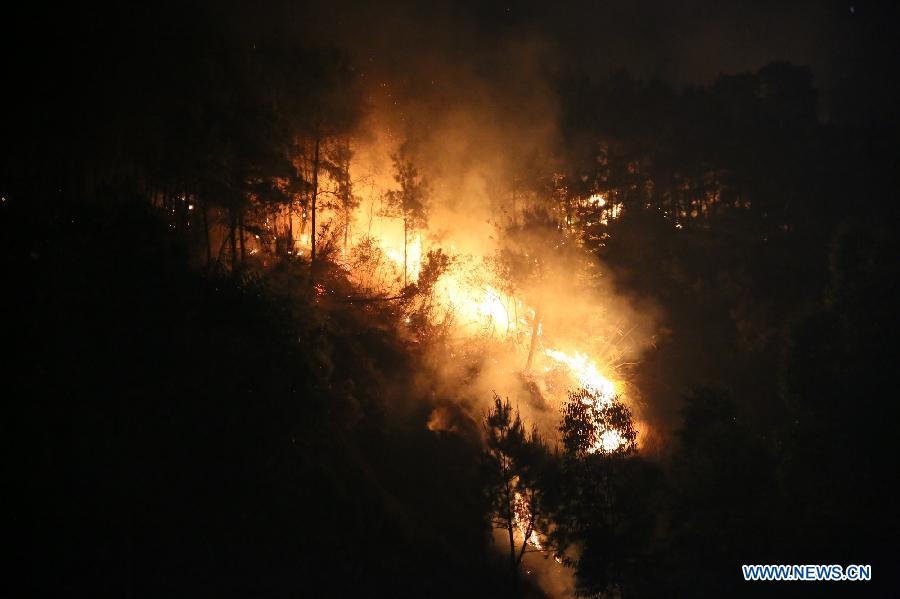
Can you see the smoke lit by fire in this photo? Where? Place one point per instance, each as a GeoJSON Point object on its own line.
{"type": "Point", "coordinates": [532, 339]}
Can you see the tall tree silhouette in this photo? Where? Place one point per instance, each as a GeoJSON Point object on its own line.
{"type": "Point", "coordinates": [604, 516]}
{"type": "Point", "coordinates": [410, 201]}
{"type": "Point", "coordinates": [515, 462]}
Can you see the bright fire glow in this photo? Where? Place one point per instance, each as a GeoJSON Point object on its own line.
{"type": "Point", "coordinates": [609, 441]}
{"type": "Point", "coordinates": [598, 199]}
{"type": "Point", "coordinates": [585, 370]}
{"type": "Point", "coordinates": [524, 521]}
{"type": "Point", "coordinates": [476, 307]}
{"type": "Point", "coordinates": [471, 299]}
{"type": "Point", "coordinates": [588, 375]}
{"type": "Point", "coordinates": [413, 256]}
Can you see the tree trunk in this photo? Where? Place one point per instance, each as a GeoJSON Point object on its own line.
{"type": "Point", "coordinates": [290, 249]}
{"type": "Point", "coordinates": [346, 228]}
{"type": "Point", "coordinates": [513, 563]}
{"type": "Point", "coordinates": [232, 236]}
{"type": "Point", "coordinates": [243, 240]}
{"type": "Point", "coordinates": [206, 232]}
{"type": "Point", "coordinates": [404, 250]}
{"type": "Point", "coordinates": [535, 328]}
{"type": "Point", "coordinates": [315, 193]}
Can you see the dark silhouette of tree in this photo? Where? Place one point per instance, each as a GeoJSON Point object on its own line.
{"type": "Point", "coordinates": [515, 462]}
{"type": "Point", "coordinates": [522, 263]}
{"type": "Point", "coordinates": [591, 424]}
{"type": "Point", "coordinates": [722, 490]}
{"type": "Point", "coordinates": [838, 360]}
{"type": "Point", "coordinates": [332, 110]}
{"type": "Point", "coordinates": [410, 201]}
{"type": "Point", "coordinates": [345, 200]}
{"type": "Point", "coordinates": [605, 512]}
{"type": "Point", "coordinates": [174, 435]}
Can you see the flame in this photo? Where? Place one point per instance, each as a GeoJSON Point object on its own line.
{"type": "Point", "coordinates": [523, 521]}
{"type": "Point", "coordinates": [589, 377]}
{"type": "Point", "coordinates": [413, 256]}
{"type": "Point", "coordinates": [476, 307]}
{"type": "Point", "coordinates": [608, 211]}
{"type": "Point", "coordinates": [304, 243]}
{"type": "Point", "coordinates": [609, 441]}
{"type": "Point", "coordinates": [491, 306]}
{"type": "Point", "coordinates": [598, 198]}
{"type": "Point", "coordinates": [586, 372]}
{"type": "Point", "coordinates": [470, 299]}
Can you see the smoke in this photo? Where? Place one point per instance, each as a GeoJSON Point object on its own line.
{"type": "Point", "coordinates": [554, 579]}
{"type": "Point", "coordinates": [470, 86]}
{"type": "Point", "coordinates": [478, 114]}
{"type": "Point", "coordinates": [473, 100]}
{"type": "Point", "coordinates": [687, 42]}
{"type": "Point", "coordinates": [482, 132]}
{"type": "Point", "coordinates": [470, 92]}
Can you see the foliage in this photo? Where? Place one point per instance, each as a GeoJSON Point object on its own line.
{"type": "Point", "coordinates": [604, 514]}
{"type": "Point", "coordinates": [515, 465]}
{"type": "Point", "coordinates": [410, 201]}
{"type": "Point", "coordinates": [587, 417]}
{"type": "Point", "coordinates": [189, 433]}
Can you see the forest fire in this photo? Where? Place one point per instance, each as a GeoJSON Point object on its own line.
{"type": "Point", "coordinates": [586, 372]}
{"type": "Point", "coordinates": [602, 396]}
{"type": "Point", "coordinates": [410, 258]}
{"type": "Point", "coordinates": [524, 521]}
{"type": "Point", "coordinates": [477, 309]}
{"type": "Point", "coordinates": [495, 289]}
{"type": "Point", "coordinates": [450, 299]}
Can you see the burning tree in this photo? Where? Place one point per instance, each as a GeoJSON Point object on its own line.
{"type": "Point", "coordinates": [328, 113]}
{"type": "Point", "coordinates": [603, 518]}
{"type": "Point", "coordinates": [515, 464]}
{"type": "Point", "coordinates": [410, 201]}
{"type": "Point", "coordinates": [597, 423]}
{"type": "Point", "coordinates": [523, 264]}
{"type": "Point", "coordinates": [337, 165]}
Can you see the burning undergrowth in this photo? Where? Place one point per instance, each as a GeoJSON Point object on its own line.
{"type": "Point", "coordinates": [517, 308]}
{"type": "Point", "coordinates": [473, 251]}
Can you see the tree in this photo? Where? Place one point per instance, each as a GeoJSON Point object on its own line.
{"type": "Point", "coordinates": [837, 365]}
{"type": "Point", "coordinates": [515, 462]}
{"type": "Point", "coordinates": [592, 424]}
{"type": "Point", "coordinates": [410, 201]}
{"type": "Point", "coordinates": [721, 494]}
{"type": "Point", "coordinates": [337, 164]}
{"type": "Point", "coordinates": [333, 110]}
{"type": "Point", "coordinates": [522, 263]}
{"type": "Point", "coordinates": [605, 513]}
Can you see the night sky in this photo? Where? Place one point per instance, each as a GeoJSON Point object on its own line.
{"type": "Point", "coordinates": [683, 43]}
